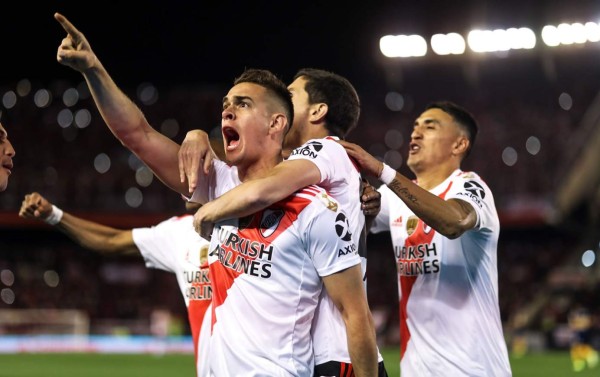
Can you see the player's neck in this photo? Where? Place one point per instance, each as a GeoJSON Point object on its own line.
{"type": "Point", "coordinates": [315, 132]}
{"type": "Point", "coordinates": [258, 169]}
{"type": "Point", "coordinates": [432, 177]}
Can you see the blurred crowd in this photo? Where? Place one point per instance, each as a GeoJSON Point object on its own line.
{"type": "Point", "coordinates": [529, 128]}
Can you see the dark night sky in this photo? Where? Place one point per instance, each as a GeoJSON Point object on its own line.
{"type": "Point", "coordinates": [212, 41]}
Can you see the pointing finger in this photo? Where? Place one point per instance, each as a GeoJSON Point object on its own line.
{"type": "Point", "coordinates": [68, 26]}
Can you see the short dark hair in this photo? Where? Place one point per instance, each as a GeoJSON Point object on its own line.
{"type": "Point", "coordinates": [339, 95]}
{"type": "Point", "coordinates": [461, 116]}
{"type": "Point", "coordinates": [273, 84]}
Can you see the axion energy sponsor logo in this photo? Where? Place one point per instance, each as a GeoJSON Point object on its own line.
{"type": "Point", "coordinates": [474, 191]}
{"type": "Point", "coordinates": [308, 150]}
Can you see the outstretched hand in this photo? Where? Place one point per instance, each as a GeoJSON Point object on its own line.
{"type": "Point", "coordinates": [74, 50]}
{"type": "Point", "coordinates": [35, 206]}
{"type": "Point", "coordinates": [195, 153]}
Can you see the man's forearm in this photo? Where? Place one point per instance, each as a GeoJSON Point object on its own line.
{"type": "Point", "coordinates": [97, 237]}
{"type": "Point", "coordinates": [449, 218]}
{"type": "Point", "coordinates": [241, 201]}
{"type": "Point", "coordinates": [362, 347]}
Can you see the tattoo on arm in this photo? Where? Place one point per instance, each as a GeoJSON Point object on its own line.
{"type": "Point", "coordinates": [402, 191]}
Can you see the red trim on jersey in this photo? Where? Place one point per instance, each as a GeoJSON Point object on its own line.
{"type": "Point", "coordinates": [196, 311]}
{"type": "Point", "coordinates": [222, 278]}
{"type": "Point", "coordinates": [419, 237]}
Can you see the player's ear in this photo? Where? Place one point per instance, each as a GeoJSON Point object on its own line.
{"type": "Point", "coordinates": [279, 122]}
{"type": "Point", "coordinates": [461, 145]}
{"type": "Point", "coordinates": [318, 112]}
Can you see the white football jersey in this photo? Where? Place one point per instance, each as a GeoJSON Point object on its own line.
{"type": "Point", "coordinates": [267, 274]}
{"type": "Point", "coordinates": [449, 314]}
{"type": "Point", "coordinates": [174, 246]}
{"type": "Point", "coordinates": [342, 180]}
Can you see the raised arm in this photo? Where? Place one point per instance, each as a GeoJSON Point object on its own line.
{"type": "Point", "coordinates": [91, 235]}
{"type": "Point", "coordinates": [450, 217]}
{"type": "Point", "coordinates": [125, 120]}
{"type": "Point", "coordinates": [347, 291]}
{"type": "Point", "coordinates": [254, 195]}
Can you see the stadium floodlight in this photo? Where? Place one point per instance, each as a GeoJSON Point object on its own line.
{"type": "Point", "coordinates": [521, 38]}
{"type": "Point", "coordinates": [567, 34]}
{"type": "Point", "coordinates": [550, 36]}
{"type": "Point", "coordinates": [477, 40]}
{"type": "Point", "coordinates": [403, 46]}
{"type": "Point", "coordinates": [501, 39]}
{"type": "Point", "coordinates": [446, 44]}
{"type": "Point", "coordinates": [482, 41]}
{"type": "Point", "coordinates": [592, 31]}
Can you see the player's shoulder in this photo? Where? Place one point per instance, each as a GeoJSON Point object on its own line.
{"type": "Point", "coordinates": [469, 176]}
{"type": "Point", "coordinates": [316, 147]}
{"type": "Point", "coordinates": [470, 186]}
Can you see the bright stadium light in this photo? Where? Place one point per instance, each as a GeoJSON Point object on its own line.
{"type": "Point", "coordinates": [477, 40]}
{"type": "Point", "coordinates": [501, 40]}
{"type": "Point", "coordinates": [567, 34]}
{"type": "Point", "coordinates": [481, 41]}
{"type": "Point", "coordinates": [522, 38]}
{"type": "Point", "coordinates": [592, 31]}
{"type": "Point", "coordinates": [402, 46]}
{"type": "Point", "coordinates": [446, 44]}
{"type": "Point", "coordinates": [550, 36]}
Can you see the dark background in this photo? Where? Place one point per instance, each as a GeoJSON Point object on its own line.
{"type": "Point", "coordinates": [173, 42]}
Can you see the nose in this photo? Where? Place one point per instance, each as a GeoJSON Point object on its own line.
{"type": "Point", "coordinates": [9, 151]}
{"type": "Point", "coordinates": [227, 114]}
{"type": "Point", "coordinates": [416, 133]}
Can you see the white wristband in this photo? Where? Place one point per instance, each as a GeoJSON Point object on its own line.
{"type": "Point", "coordinates": [387, 174]}
{"type": "Point", "coordinates": [55, 216]}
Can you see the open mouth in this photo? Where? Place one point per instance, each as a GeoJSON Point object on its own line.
{"type": "Point", "coordinates": [413, 147]}
{"type": "Point", "coordinates": [232, 138]}
{"type": "Point", "coordinates": [8, 166]}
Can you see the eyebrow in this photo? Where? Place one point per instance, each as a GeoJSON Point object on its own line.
{"type": "Point", "coordinates": [427, 120]}
{"type": "Point", "coordinates": [236, 99]}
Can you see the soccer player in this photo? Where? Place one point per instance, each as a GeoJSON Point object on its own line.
{"type": "Point", "coordinates": [258, 255]}
{"type": "Point", "coordinates": [172, 245]}
{"type": "Point", "coordinates": [444, 229]}
{"type": "Point", "coordinates": [326, 108]}
{"type": "Point", "coordinates": [582, 351]}
{"type": "Point", "coordinates": [7, 152]}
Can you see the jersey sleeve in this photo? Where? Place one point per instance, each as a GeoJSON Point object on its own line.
{"type": "Point", "coordinates": [381, 223]}
{"type": "Point", "coordinates": [470, 188]}
{"type": "Point", "coordinates": [158, 244]}
{"type": "Point", "coordinates": [330, 242]}
{"type": "Point", "coordinates": [330, 158]}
